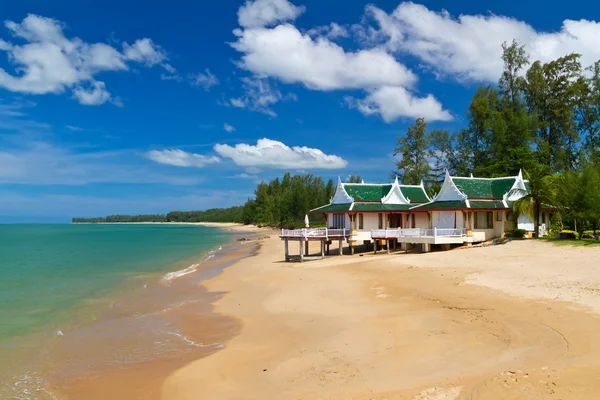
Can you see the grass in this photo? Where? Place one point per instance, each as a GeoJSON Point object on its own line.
{"type": "Point", "coordinates": [572, 242]}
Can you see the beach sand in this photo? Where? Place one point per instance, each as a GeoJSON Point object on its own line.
{"type": "Point", "coordinates": [517, 321]}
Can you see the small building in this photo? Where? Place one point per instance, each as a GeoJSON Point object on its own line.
{"type": "Point", "coordinates": [364, 207]}
{"type": "Point", "coordinates": [480, 206]}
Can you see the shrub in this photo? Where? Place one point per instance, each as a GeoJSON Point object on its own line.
{"type": "Point", "coordinates": [567, 234]}
{"type": "Point", "coordinates": [515, 233]}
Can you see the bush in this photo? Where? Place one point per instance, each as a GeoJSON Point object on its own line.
{"type": "Point", "coordinates": [567, 234]}
{"type": "Point", "coordinates": [515, 233]}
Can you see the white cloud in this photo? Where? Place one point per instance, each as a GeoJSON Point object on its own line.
{"type": "Point", "coordinates": [206, 79]}
{"type": "Point", "coordinates": [286, 54]}
{"type": "Point", "coordinates": [331, 31]}
{"type": "Point", "coordinates": [259, 13]}
{"type": "Point", "coordinates": [145, 51]}
{"type": "Point", "coordinates": [273, 154]}
{"type": "Point", "coordinates": [49, 62]}
{"type": "Point", "coordinates": [312, 59]}
{"type": "Point", "coordinates": [393, 102]}
{"type": "Point", "coordinates": [228, 127]}
{"type": "Point", "coordinates": [167, 77]}
{"type": "Point", "coordinates": [180, 158]}
{"type": "Point", "coordinates": [93, 96]}
{"type": "Point", "coordinates": [259, 95]}
{"type": "Point", "coordinates": [469, 47]}
{"type": "Point", "coordinates": [74, 128]}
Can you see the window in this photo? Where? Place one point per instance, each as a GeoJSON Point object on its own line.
{"type": "Point", "coordinates": [484, 220]}
{"type": "Point", "coordinates": [361, 222]}
{"type": "Point", "coordinates": [498, 216]}
{"type": "Point", "coordinates": [510, 216]}
{"type": "Point", "coordinates": [380, 221]}
{"type": "Point", "coordinates": [339, 221]}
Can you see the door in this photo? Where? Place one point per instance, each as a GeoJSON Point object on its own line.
{"type": "Point", "coordinates": [446, 220]}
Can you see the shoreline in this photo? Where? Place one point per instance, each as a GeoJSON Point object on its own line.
{"type": "Point", "coordinates": [402, 326]}
{"type": "Point", "coordinates": [173, 301]}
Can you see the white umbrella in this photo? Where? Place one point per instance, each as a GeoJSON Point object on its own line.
{"type": "Point", "coordinates": [306, 221]}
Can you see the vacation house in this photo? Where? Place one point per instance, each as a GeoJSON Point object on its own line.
{"type": "Point", "coordinates": [466, 210]}
{"type": "Point", "coordinates": [363, 207]}
{"type": "Point", "coordinates": [480, 206]}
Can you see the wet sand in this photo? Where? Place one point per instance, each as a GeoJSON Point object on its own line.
{"type": "Point", "coordinates": [517, 321]}
{"type": "Point", "coordinates": [145, 336]}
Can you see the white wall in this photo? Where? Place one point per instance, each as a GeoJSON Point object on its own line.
{"type": "Point", "coordinates": [421, 220]}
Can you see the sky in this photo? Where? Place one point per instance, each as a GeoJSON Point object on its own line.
{"type": "Point", "coordinates": [137, 107]}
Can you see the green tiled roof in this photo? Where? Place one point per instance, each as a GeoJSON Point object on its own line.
{"type": "Point", "coordinates": [380, 207]}
{"type": "Point", "coordinates": [332, 208]}
{"type": "Point", "coordinates": [502, 186]}
{"type": "Point", "coordinates": [416, 194]}
{"type": "Point", "coordinates": [362, 192]}
{"type": "Point", "coordinates": [477, 188]}
{"type": "Point", "coordinates": [486, 204]}
{"type": "Point", "coordinates": [442, 205]}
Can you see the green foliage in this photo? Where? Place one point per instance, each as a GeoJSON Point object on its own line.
{"type": "Point", "coordinates": [354, 179]}
{"type": "Point", "coordinates": [412, 149]}
{"type": "Point", "coordinates": [515, 233]}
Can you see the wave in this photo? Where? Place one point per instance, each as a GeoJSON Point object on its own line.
{"type": "Point", "coordinates": [196, 344]}
{"type": "Point", "coordinates": [168, 277]}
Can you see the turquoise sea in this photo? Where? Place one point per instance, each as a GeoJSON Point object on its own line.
{"type": "Point", "coordinates": [52, 275]}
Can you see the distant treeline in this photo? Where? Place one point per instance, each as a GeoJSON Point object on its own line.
{"type": "Point", "coordinates": [281, 202]}
{"type": "Point", "coordinates": [232, 214]}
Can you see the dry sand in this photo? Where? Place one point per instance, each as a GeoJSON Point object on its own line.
{"type": "Point", "coordinates": [517, 321]}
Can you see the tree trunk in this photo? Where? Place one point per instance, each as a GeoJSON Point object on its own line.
{"type": "Point", "coordinates": [536, 219]}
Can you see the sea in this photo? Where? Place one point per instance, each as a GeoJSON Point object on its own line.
{"type": "Point", "coordinates": [80, 299]}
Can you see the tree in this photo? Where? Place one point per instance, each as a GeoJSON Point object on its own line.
{"type": "Point", "coordinates": [540, 192]}
{"type": "Point", "coordinates": [412, 149]}
{"type": "Point", "coordinates": [354, 179]}
{"type": "Point", "coordinates": [551, 92]}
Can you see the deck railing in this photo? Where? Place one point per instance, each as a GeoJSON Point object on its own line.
{"type": "Point", "coordinates": [316, 233]}
{"type": "Point", "coordinates": [416, 232]}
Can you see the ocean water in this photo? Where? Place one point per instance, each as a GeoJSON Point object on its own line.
{"type": "Point", "coordinates": [58, 281]}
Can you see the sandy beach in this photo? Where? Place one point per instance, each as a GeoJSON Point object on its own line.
{"type": "Point", "coordinates": [516, 321]}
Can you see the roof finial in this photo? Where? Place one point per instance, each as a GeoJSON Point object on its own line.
{"type": "Point", "coordinates": [520, 176]}
{"type": "Point", "coordinates": [422, 183]}
{"type": "Point", "coordinates": [396, 180]}
{"type": "Point", "coordinates": [471, 175]}
{"type": "Point", "coordinates": [362, 181]}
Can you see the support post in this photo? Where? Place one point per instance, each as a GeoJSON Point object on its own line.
{"type": "Point", "coordinates": [306, 252]}
{"type": "Point", "coordinates": [287, 250]}
{"type": "Point", "coordinates": [426, 247]}
{"type": "Point", "coordinates": [375, 246]}
{"type": "Point", "coordinates": [351, 248]}
{"type": "Point", "coordinates": [301, 251]}
{"type": "Point", "coordinates": [322, 249]}
{"type": "Point", "coordinates": [341, 248]}
{"type": "Point", "coordinates": [388, 242]}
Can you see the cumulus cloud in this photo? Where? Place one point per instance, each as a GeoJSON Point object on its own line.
{"type": "Point", "coordinates": [331, 31]}
{"type": "Point", "coordinates": [393, 102]}
{"type": "Point", "coordinates": [228, 127]}
{"type": "Point", "coordinates": [49, 62]}
{"type": "Point", "coordinates": [205, 79]}
{"type": "Point", "coordinates": [284, 53]}
{"type": "Point", "coordinates": [259, 13]}
{"type": "Point", "coordinates": [180, 158]}
{"type": "Point", "coordinates": [269, 153]}
{"type": "Point", "coordinates": [259, 95]}
{"type": "Point", "coordinates": [92, 96]}
{"type": "Point", "coordinates": [469, 47]}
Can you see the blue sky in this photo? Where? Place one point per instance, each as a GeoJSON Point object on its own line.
{"type": "Point", "coordinates": [136, 107]}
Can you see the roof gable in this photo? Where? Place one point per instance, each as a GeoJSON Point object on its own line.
{"type": "Point", "coordinates": [415, 194]}
{"type": "Point", "coordinates": [484, 188]}
{"type": "Point", "coordinates": [367, 192]}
